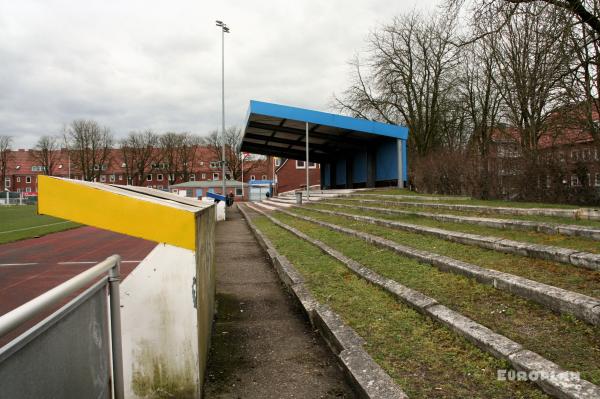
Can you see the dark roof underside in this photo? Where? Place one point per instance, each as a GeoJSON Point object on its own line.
{"type": "Point", "coordinates": [278, 130]}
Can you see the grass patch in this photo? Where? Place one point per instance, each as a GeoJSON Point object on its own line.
{"type": "Point", "coordinates": [569, 277]}
{"type": "Point", "coordinates": [424, 358]}
{"type": "Point", "coordinates": [544, 219]}
{"type": "Point", "coordinates": [565, 340]}
{"type": "Point", "coordinates": [560, 240]}
{"type": "Point", "coordinates": [22, 222]}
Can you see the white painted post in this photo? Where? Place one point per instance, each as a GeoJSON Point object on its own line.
{"type": "Point", "coordinates": [306, 165]}
{"type": "Point", "coordinates": [243, 156]}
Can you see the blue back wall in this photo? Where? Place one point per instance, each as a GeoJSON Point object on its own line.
{"type": "Point", "coordinates": [359, 168]}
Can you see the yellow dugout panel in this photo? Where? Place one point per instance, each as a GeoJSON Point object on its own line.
{"type": "Point", "coordinates": [119, 210]}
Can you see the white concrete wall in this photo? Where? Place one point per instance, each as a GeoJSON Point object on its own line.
{"type": "Point", "coordinates": [159, 325]}
{"type": "Point", "coordinates": [220, 208]}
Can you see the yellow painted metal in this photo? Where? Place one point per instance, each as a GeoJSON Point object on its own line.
{"type": "Point", "coordinates": [118, 211]}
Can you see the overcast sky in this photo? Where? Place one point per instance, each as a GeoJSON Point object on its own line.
{"type": "Point", "coordinates": [133, 65]}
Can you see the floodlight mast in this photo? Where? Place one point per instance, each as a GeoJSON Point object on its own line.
{"type": "Point", "coordinates": [224, 29]}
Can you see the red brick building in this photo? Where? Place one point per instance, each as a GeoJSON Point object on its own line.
{"type": "Point", "coordinates": [290, 174]}
{"type": "Point", "coordinates": [22, 171]}
{"type": "Point", "coordinates": [567, 160]}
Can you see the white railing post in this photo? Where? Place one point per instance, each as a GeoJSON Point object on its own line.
{"type": "Point", "coordinates": [114, 277]}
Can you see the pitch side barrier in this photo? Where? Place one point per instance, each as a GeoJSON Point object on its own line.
{"type": "Point", "coordinates": [167, 302]}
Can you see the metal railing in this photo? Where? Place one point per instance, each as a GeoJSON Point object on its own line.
{"type": "Point", "coordinates": [47, 300]}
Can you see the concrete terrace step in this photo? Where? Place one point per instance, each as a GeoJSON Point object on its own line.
{"type": "Point", "coordinates": [557, 299]}
{"type": "Point", "coordinates": [485, 339]}
{"type": "Point", "coordinates": [391, 196]}
{"type": "Point", "coordinates": [540, 227]}
{"type": "Point", "coordinates": [581, 213]}
{"type": "Point", "coordinates": [547, 252]}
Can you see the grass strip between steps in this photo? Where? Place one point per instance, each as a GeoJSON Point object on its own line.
{"type": "Point", "coordinates": [533, 218]}
{"type": "Point", "coordinates": [561, 275]}
{"type": "Point", "coordinates": [559, 240]}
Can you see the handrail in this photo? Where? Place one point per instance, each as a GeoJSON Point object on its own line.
{"type": "Point", "coordinates": [17, 316]}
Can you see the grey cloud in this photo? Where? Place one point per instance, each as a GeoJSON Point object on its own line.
{"type": "Point", "coordinates": [156, 64]}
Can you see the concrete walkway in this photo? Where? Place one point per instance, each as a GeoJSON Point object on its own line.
{"type": "Point", "coordinates": [262, 346]}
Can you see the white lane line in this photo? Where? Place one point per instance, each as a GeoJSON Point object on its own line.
{"type": "Point", "coordinates": [17, 264]}
{"type": "Point", "coordinates": [34, 227]}
{"type": "Point", "coordinates": [90, 262]}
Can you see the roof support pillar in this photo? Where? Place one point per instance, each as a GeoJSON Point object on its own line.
{"type": "Point", "coordinates": [306, 165]}
{"type": "Point", "coordinates": [400, 149]}
{"type": "Point", "coordinates": [371, 168]}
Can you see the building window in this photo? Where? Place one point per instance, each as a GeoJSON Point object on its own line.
{"type": "Point", "coordinates": [102, 179]}
{"type": "Point", "coordinates": [28, 179]}
{"type": "Point", "coordinates": [585, 154]}
{"type": "Point", "coordinates": [37, 168]}
{"type": "Point", "coordinates": [277, 161]}
{"type": "Point", "coordinates": [193, 177]}
{"type": "Point", "coordinates": [111, 178]}
{"type": "Point", "coordinates": [214, 164]}
{"type": "Point", "coordinates": [18, 190]}
{"type": "Point", "coordinates": [149, 177]}
{"type": "Point", "coordinates": [264, 177]}
{"type": "Point", "coordinates": [238, 192]}
{"type": "Point", "coordinates": [159, 177]}
{"type": "Point", "coordinates": [597, 180]}
{"type": "Point", "coordinates": [252, 177]}
{"type": "Point", "coordinates": [574, 181]}
{"type": "Point", "coordinates": [27, 189]}
{"type": "Point", "coordinates": [7, 183]}
{"type": "Point", "coordinates": [575, 155]}
{"type": "Point", "coordinates": [18, 179]}
{"type": "Point", "coordinates": [120, 177]}
{"type": "Point", "coordinates": [215, 176]}
{"type": "Point", "coordinates": [203, 176]}
{"type": "Point", "coordinates": [301, 165]}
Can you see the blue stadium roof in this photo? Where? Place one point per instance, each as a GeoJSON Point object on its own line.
{"type": "Point", "coordinates": [279, 130]}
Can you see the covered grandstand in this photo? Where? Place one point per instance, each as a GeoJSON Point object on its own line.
{"type": "Point", "coordinates": [353, 152]}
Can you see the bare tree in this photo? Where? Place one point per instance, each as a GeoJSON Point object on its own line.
{"type": "Point", "coordinates": [187, 152]}
{"type": "Point", "coordinates": [583, 83]}
{"type": "Point", "coordinates": [169, 144]}
{"type": "Point", "coordinates": [233, 155]}
{"type": "Point", "coordinates": [587, 11]}
{"type": "Point", "coordinates": [139, 151]}
{"type": "Point", "coordinates": [46, 153]}
{"type": "Point", "coordinates": [5, 153]}
{"type": "Point", "coordinates": [89, 146]}
{"type": "Point", "coordinates": [409, 78]}
{"type": "Point", "coordinates": [531, 59]}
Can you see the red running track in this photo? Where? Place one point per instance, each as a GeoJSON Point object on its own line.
{"type": "Point", "coordinates": [54, 259]}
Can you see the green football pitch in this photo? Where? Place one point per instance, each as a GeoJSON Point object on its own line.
{"type": "Point", "coordinates": [22, 221]}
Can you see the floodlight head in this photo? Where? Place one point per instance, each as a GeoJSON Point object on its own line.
{"type": "Point", "coordinates": [225, 29]}
{"type": "Point", "coordinates": [219, 23]}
